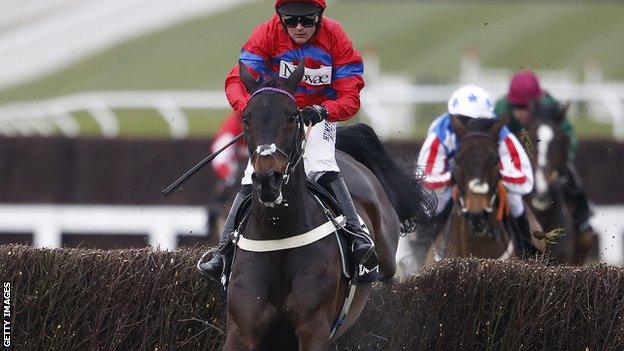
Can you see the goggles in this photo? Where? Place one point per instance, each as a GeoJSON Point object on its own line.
{"type": "Point", "coordinates": [305, 20]}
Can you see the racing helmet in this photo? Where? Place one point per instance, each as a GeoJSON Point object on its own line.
{"type": "Point", "coordinates": [299, 7]}
{"type": "Point", "coordinates": [523, 88]}
{"type": "Point", "coordinates": [471, 101]}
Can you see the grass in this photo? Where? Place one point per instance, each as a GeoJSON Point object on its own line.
{"type": "Point", "coordinates": [422, 39]}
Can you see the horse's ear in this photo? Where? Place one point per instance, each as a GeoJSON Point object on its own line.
{"type": "Point", "coordinates": [561, 114]}
{"type": "Point", "coordinates": [458, 126]}
{"type": "Point", "coordinates": [248, 80]}
{"type": "Point", "coordinates": [500, 123]}
{"type": "Point", "coordinates": [295, 77]}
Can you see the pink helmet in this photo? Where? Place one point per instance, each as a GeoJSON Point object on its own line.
{"type": "Point", "coordinates": [524, 88]}
{"type": "Point", "coordinates": [318, 3]}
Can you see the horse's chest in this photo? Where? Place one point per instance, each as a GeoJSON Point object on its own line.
{"type": "Point", "coordinates": [289, 287]}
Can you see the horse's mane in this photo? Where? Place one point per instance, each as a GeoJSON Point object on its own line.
{"type": "Point", "coordinates": [548, 112]}
{"type": "Point", "coordinates": [272, 83]}
{"type": "Point", "coordinates": [479, 124]}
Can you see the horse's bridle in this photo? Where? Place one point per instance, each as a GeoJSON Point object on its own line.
{"type": "Point", "coordinates": [462, 202]}
{"type": "Point", "coordinates": [297, 146]}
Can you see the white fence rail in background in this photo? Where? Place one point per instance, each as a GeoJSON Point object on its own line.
{"type": "Point", "coordinates": [47, 223]}
{"type": "Point", "coordinates": [163, 224]}
{"type": "Point", "coordinates": [44, 117]}
{"type": "Point", "coordinates": [380, 103]}
{"type": "Point", "coordinates": [388, 101]}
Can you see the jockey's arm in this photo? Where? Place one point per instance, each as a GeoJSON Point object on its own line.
{"type": "Point", "coordinates": [225, 164]}
{"type": "Point", "coordinates": [347, 102]}
{"type": "Point", "coordinates": [347, 79]}
{"type": "Point", "coordinates": [432, 160]}
{"type": "Point", "coordinates": [515, 168]}
{"type": "Point", "coordinates": [255, 57]}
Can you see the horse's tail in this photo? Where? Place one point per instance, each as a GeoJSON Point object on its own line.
{"type": "Point", "coordinates": [414, 204]}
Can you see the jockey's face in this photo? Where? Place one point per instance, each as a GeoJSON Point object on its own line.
{"type": "Point", "coordinates": [301, 34]}
{"type": "Point", "coordinates": [521, 113]}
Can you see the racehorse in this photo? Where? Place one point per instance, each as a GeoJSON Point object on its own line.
{"type": "Point", "coordinates": [290, 299]}
{"type": "Point", "coordinates": [478, 224]}
{"type": "Point", "coordinates": [549, 147]}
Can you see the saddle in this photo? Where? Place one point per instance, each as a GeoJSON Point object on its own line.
{"type": "Point", "coordinates": [329, 205]}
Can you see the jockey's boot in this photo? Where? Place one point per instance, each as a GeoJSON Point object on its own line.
{"type": "Point", "coordinates": [525, 241]}
{"type": "Point", "coordinates": [363, 248]}
{"type": "Point", "coordinates": [213, 268]}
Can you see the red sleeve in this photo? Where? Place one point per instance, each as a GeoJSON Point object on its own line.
{"type": "Point", "coordinates": [254, 55]}
{"type": "Point", "coordinates": [433, 160]}
{"type": "Point", "coordinates": [347, 78]}
{"type": "Point", "coordinates": [232, 125]}
{"type": "Point", "coordinates": [225, 164]}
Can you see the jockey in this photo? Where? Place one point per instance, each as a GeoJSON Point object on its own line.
{"type": "Point", "coordinates": [329, 93]}
{"type": "Point", "coordinates": [437, 154]}
{"type": "Point", "coordinates": [225, 165]}
{"type": "Point", "coordinates": [524, 89]}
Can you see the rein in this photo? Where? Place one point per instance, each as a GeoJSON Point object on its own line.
{"type": "Point", "coordinates": [297, 146]}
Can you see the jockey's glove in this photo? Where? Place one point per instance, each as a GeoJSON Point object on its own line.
{"type": "Point", "coordinates": [313, 114]}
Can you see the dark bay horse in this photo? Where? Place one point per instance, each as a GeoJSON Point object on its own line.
{"type": "Point", "coordinates": [478, 224]}
{"type": "Point", "coordinates": [289, 299]}
{"type": "Point", "coordinates": [549, 147]}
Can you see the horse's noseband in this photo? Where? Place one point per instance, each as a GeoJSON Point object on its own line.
{"type": "Point", "coordinates": [488, 209]}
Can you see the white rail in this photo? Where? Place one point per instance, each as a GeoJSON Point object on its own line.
{"type": "Point", "coordinates": [379, 102]}
{"type": "Point", "coordinates": [163, 224]}
{"type": "Point", "coordinates": [48, 223]}
{"type": "Point", "coordinates": [43, 117]}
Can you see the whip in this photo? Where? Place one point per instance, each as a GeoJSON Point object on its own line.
{"type": "Point", "coordinates": [183, 178]}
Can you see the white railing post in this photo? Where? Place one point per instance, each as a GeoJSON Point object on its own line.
{"type": "Point", "coordinates": [65, 122]}
{"type": "Point", "coordinates": [105, 117]}
{"type": "Point", "coordinates": [47, 234]}
{"type": "Point", "coordinates": [163, 237]}
{"type": "Point", "coordinates": [175, 118]}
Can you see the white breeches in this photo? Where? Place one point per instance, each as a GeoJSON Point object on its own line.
{"type": "Point", "coordinates": [319, 156]}
{"type": "Point", "coordinates": [514, 201]}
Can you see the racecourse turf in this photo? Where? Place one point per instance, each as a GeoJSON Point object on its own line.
{"type": "Point", "coordinates": [423, 39]}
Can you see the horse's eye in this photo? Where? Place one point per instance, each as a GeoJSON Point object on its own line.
{"type": "Point", "coordinates": [245, 120]}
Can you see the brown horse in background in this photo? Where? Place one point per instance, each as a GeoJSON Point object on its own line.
{"type": "Point", "coordinates": [549, 146]}
{"type": "Point", "coordinates": [290, 299]}
{"type": "Point", "coordinates": [478, 224]}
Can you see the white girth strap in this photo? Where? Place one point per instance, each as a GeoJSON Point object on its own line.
{"type": "Point", "coordinates": [292, 242]}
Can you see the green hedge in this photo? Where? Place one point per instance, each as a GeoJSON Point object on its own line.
{"type": "Point", "coordinates": [72, 299]}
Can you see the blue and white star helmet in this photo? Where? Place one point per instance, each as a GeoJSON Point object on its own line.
{"type": "Point", "coordinates": [471, 101]}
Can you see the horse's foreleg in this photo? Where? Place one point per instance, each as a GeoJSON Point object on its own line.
{"type": "Point", "coordinates": [314, 333]}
